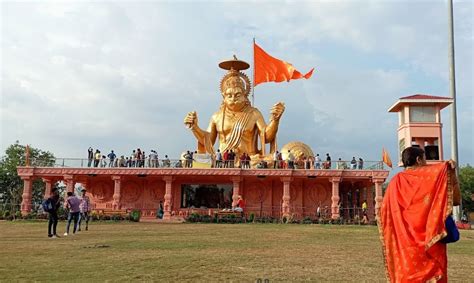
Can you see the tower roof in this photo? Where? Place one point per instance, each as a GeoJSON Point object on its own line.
{"type": "Point", "coordinates": [421, 99]}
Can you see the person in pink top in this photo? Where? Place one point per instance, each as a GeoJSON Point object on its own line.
{"type": "Point", "coordinates": [72, 204]}
{"type": "Point", "coordinates": [85, 209]}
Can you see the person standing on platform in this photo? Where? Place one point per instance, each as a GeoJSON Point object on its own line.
{"type": "Point", "coordinates": [53, 213]}
{"type": "Point", "coordinates": [231, 159]}
{"type": "Point", "coordinates": [275, 160]}
{"type": "Point", "coordinates": [290, 160]}
{"type": "Point", "coordinates": [412, 220]}
{"type": "Point", "coordinates": [226, 159]}
{"type": "Point", "coordinates": [111, 157]}
{"type": "Point", "coordinates": [218, 159]}
{"type": "Point", "coordinates": [360, 164]}
{"type": "Point", "coordinates": [96, 158]}
{"type": "Point", "coordinates": [84, 208]}
{"type": "Point", "coordinates": [90, 156]}
{"type": "Point", "coordinates": [353, 163]}
{"type": "Point", "coordinates": [327, 165]}
{"type": "Point", "coordinates": [72, 204]}
{"type": "Point", "coordinates": [317, 162]}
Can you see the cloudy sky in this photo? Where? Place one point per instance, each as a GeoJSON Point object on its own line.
{"type": "Point", "coordinates": [121, 75]}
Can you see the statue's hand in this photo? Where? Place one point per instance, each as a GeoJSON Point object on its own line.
{"type": "Point", "coordinates": [277, 110]}
{"type": "Point", "coordinates": [191, 120]}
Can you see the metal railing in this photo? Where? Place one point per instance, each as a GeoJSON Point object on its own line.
{"type": "Point", "coordinates": [178, 163]}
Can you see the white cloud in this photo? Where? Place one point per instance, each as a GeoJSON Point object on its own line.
{"type": "Point", "coordinates": [117, 75]}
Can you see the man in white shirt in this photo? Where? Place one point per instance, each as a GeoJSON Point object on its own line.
{"type": "Point", "coordinates": [275, 160]}
{"type": "Point", "coordinates": [317, 162]}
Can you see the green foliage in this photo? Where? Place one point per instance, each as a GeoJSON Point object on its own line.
{"type": "Point", "coordinates": [11, 186]}
{"type": "Point", "coordinates": [134, 215]}
{"type": "Point", "coordinates": [193, 218]}
{"type": "Point", "coordinates": [466, 182]}
{"type": "Point", "coordinates": [307, 220]}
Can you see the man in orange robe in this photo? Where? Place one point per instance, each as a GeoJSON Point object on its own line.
{"type": "Point", "coordinates": [412, 219]}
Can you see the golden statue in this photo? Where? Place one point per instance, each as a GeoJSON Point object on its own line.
{"type": "Point", "coordinates": [239, 126]}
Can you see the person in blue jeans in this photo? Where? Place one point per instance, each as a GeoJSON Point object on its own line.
{"type": "Point", "coordinates": [72, 203]}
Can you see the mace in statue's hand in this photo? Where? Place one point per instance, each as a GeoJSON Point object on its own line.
{"type": "Point", "coordinates": [276, 111]}
{"type": "Point", "coordinates": [191, 120]}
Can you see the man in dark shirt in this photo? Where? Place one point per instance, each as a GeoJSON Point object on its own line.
{"type": "Point", "coordinates": [53, 213]}
{"type": "Point", "coordinates": [328, 161]}
{"type": "Point", "coordinates": [90, 156]}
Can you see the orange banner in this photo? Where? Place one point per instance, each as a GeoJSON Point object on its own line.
{"type": "Point", "coordinates": [270, 69]}
{"type": "Point", "coordinates": [386, 158]}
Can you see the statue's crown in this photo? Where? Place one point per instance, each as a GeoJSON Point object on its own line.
{"type": "Point", "coordinates": [234, 78]}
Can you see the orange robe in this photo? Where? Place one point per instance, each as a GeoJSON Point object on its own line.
{"type": "Point", "coordinates": [412, 223]}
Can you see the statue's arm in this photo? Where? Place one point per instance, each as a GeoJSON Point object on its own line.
{"type": "Point", "coordinates": [270, 130]}
{"type": "Point", "coordinates": [212, 129]}
{"type": "Point", "coordinates": [272, 127]}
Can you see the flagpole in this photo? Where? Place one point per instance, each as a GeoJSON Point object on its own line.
{"type": "Point", "coordinates": [253, 72]}
{"type": "Point", "coordinates": [452, 84]}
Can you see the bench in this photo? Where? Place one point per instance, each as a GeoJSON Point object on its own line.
{"type": "Point", "coordinates": [229, 214]}
{"type": "Point", "coordinates": [112, 212]}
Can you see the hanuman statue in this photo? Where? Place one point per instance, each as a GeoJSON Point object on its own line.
{"type": "Point", "coordinates": [239, 126]}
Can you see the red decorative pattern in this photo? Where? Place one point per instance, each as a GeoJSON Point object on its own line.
{"type": "Point", "coordinates": [424, 96]}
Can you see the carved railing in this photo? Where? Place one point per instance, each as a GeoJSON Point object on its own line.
{"type": "Point", "coordinates": [177, 163]}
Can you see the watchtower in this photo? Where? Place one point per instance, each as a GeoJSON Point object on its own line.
{"type": "Point", "coordinates": [420, 124]}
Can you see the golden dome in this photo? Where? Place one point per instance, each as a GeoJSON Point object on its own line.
{"type": "Point", "coordinates": [297, 148]}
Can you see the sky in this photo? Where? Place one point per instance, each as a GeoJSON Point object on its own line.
{"type": "Point", "coordinates": [122, 75]}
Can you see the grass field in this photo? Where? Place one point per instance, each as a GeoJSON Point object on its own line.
{"type": "Point", "coordinates": [204, 252]}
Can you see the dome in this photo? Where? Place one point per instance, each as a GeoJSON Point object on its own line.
{"type": "Point", "coordinates": [297, 148]}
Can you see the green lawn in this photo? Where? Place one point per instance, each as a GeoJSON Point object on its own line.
{"type": "Point", "coordinates": [204, 252]}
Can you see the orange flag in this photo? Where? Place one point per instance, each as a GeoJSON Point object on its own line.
{"type": "Point", "coordinates": [386, 158]}
{"type": "Point", "coordinates": [270, 69]}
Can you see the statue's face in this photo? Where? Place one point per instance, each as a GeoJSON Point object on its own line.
{"type": "Point", "coordinates": [234, 98]}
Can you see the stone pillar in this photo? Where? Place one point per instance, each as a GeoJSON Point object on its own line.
{"type": "Point", "coordinates": [26, 197]}
{"type": "Point", "coordinates": [235, 190]}
{"type": "Point", "coordinates": [69, 180]}
{"type": "Point", "coordinates": [285, 206]}
{"type": "Point", "coordinates": [167, 206]}
{"type": "Point", "coordinates": [335, 197]}
{"type": "Point", "coordinates": [370, 203]}
{"type": "Point", "coordinates": [117, 196]}
{"type": "Point", "coordinates": [48, 185]}
{"type": "Point", "coordinates": [378, 194]}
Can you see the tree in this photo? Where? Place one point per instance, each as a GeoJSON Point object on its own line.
{"type": "Point", "coordinates": [11, 185]}
{"type": "Point", "coordinates": [466, 181]}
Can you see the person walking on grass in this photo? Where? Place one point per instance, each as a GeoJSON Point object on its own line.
{"type": "Point", "coordinates": [72, 204]}
{"type": "Point", "coordinates": [52, 204]}
{"type": "Point", "coordinates": [85, 208]}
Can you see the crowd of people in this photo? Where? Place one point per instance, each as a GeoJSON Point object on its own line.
{"type": "Point", "coordinates": [137, 158]}
{"type": "Point", "coordinates": [77, 207]}
{"type": "Point", "coordinates": [226, 159]}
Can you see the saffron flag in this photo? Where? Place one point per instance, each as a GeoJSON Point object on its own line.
{"type": "Point", "coordinates": [386, 158]}
{"type": "Point", "coordinates": [270, 69]}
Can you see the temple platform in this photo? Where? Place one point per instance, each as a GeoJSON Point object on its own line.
{"type": "Point", "coordinates": [275, 193]}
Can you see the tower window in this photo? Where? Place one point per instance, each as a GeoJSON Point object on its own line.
{"type": "Point", "coordinates": [422, 114]}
